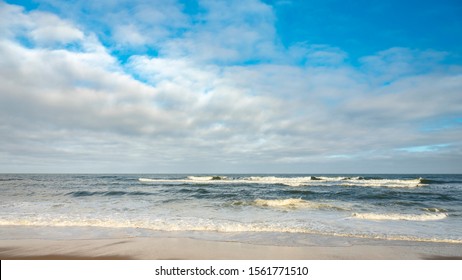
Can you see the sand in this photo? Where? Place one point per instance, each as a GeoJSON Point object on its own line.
{"type": "Point", "coordinates": [188, 248]}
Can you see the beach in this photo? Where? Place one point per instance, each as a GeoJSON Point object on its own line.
{"type": "Point", "coordinates": [182, 248]}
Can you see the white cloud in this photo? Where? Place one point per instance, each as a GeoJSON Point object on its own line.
{"type": "Point", "coordinates": [12, 20]}
{"type": "Point", "coordinates": [228, 32]}
{"type": "Point", "coordinates": [50, 29]}
{"type": "Point", "coordinates": [127, 24]}
{"type": "Point", "coordinates": [42, 29]}
{"type": "Point", "coordinates": [317, 55]}
{"type": "Point", "coordinates": [129, 35]}
{"type": "Point", "coordinates": [390, 64]}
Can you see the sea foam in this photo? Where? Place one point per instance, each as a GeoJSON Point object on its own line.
{"type": "Point", "coordinates": [207, 225]}
{"type": "Point", "coordinates": [400, 217]}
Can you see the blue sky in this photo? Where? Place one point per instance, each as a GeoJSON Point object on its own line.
{"type": "Point", "coordinates": [363, 27]}
{"type": "Point", "coordinates": [231, 86]}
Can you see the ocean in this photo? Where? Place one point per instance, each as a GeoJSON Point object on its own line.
{"type": "Point", "coordinates": [271, 209]}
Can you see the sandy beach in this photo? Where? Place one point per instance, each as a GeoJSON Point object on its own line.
{"type": "Point", "coordinates": [187, 248]}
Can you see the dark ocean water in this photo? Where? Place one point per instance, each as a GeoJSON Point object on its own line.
{"type": "Point", "coordinates": [392, 207]}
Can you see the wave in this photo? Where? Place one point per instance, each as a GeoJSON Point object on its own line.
{"type": "Point", "coordinates": [298, 181]}
{"type": "Point", "coordinates": [429, 181]}
{"type": "Point", "coordinates": [434, 210]}
{"type": "Point", "coordinates": [388, 183]}
{"type": "Point", "coordinates": [10, 179]}
{"type": "Point", "coordinates": [283, 203]}
{"type": "Point", "coordinates": [189, 180]}
{"type": "Point", "coordinates": [148, 180]}
{"type": "Point", "coordinates": [208, 226]}
{"type": "Point", "coordinates": [289, 203]}
{"type": "Point", "coordinates": [288, 181]}
{"type": "Point", "coordinates": [400, 217]}
{"type": "Point", "coordinates": [108, 193]}
{"type": "Point", "coordinates": [207, 178]}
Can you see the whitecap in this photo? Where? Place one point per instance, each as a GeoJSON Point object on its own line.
{"type": "Point", "coordinates": [400, 217]}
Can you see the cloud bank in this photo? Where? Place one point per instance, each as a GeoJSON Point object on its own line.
{"type": "Point", "coordinates": [143, 86]}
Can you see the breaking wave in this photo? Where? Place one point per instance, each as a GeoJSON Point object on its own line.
{"type": "Point", "coordinates": [299, 181]}
{"type": "Point", "coordinates": [293, 203]}
{"type": "Point", "coordinates": [400, 217]}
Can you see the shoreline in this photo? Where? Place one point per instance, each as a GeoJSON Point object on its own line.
{"type": "Point", "coordinates": [183, 248]}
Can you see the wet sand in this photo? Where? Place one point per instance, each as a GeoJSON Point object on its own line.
{"type": "Point", "coordinates": [188, 248]}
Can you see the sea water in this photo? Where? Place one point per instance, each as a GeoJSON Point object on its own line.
{"type": "Point", "coordinates": [253, 208]}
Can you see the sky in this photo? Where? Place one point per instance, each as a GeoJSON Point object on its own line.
{"type": "Point", "coordinates": [274, 86]}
